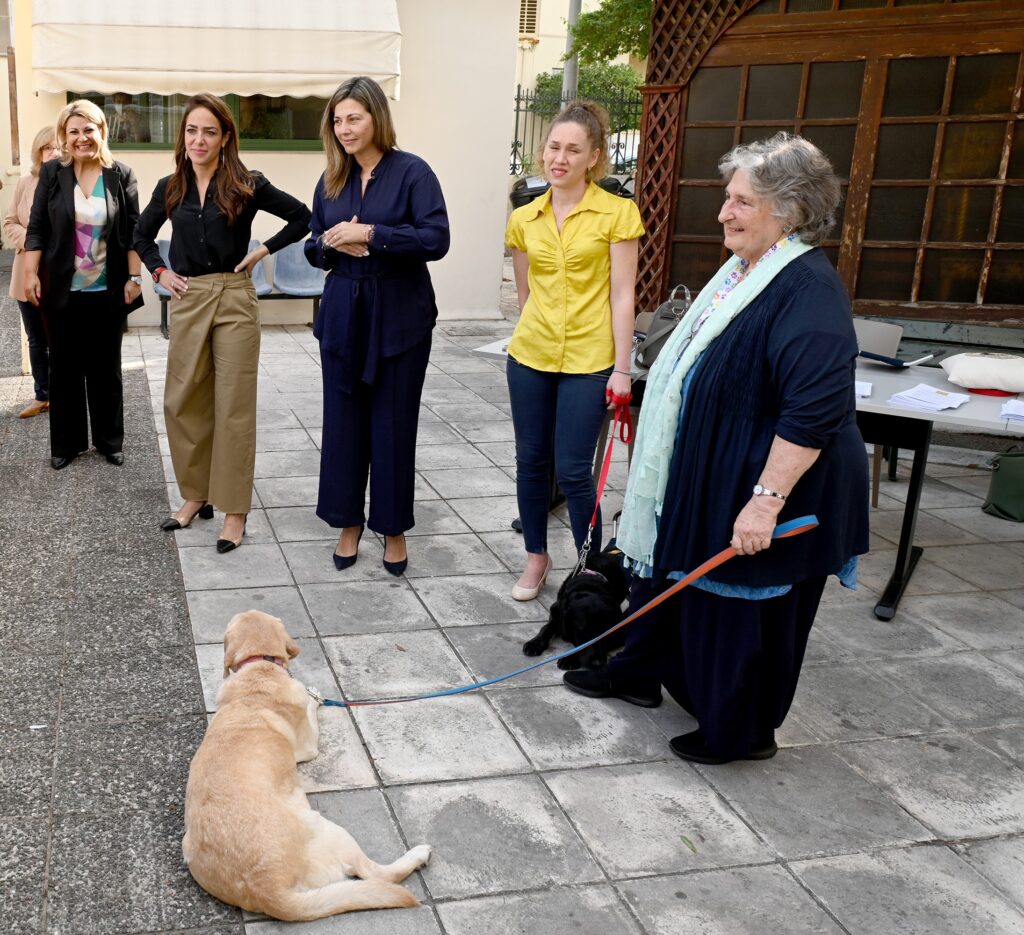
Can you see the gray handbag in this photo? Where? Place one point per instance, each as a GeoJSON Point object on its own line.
{"type": "Point", "coordinates": [657, 326]}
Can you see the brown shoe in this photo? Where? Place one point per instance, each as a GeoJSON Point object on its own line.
{"type": "Point", "coordinates": [34, 408]}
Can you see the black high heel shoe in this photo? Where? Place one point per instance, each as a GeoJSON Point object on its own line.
{"type": "Point", "coordinates": [228, 545]}
{"type": "Point", "coordinates": [341, 562]}
{"type": "Point", "coordinates": [396, 568]}
{"type": "Point", "coordinates": [204, 512]}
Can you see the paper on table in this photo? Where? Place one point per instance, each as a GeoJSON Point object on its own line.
{"type": "Point", "coordinates": [1013, 409]}
{"type": "Point", "coordinates": [863, 388]}
{"type": "Point", "coordinates": [928, 398]}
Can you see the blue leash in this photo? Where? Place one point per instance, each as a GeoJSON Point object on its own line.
{"type": "Point", "coordinates": [792, 527]}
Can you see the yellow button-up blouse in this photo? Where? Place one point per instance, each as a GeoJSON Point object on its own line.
{"type": "Point", "coordinates": [566, 325]}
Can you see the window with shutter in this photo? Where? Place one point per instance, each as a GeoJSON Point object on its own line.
{"type": "Point", "coordinates": [527, 19]}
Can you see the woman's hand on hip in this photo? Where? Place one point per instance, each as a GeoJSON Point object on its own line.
{"type": "Point", "coordinates": [132, 290]}
{"type": "Point", "coordinates": [175, 284]}
{"type": "Point", "coordinates": [753, 528]}
{"type": "Point", "coordinates": [619, 385]}
{"type": "Point", "coordinates": [250, 260]}
{"type": "Point", "coordinates": [348, 237]}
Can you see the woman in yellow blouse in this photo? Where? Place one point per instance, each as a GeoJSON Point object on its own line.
{"type": "Point", "coordinates": [574, 253]}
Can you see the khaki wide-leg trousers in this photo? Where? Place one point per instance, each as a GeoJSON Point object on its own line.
{"type": "Point", "coordinates": [210, 393]}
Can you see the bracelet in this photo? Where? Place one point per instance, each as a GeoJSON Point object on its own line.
{"type": "Point", "coordinates": [625, 373]}
{"type": "Point", "coordinates": [369, 233]}
{"type": "Point", "coordinates": [760, 491]}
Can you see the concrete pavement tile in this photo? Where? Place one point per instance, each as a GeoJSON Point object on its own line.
{"type": "Point", "coordinates": [250, 566]}
{"type": "Point", "coordinates": [115, 683]}
{"type": "Point", "coordinates": [296, 439]}
{"type": "Point", "coordinates": [454, 455]}
{"type": "Point", "coordinates": [458, 413]}
{"type": "Point", "coordinates": [989, 566]}
{"type": "Point", "coordinates": [461, 600]}
{"type": "Point", "coordinates": [453, 398]}
{"type": "Point", "coordinates": [311, 416]}
{"type": "Point", "coordinates": [1009, 741]}
{"type": "Point", "coordinates": [823, 650]}
{"type": "Point", "coordinates": [435, 517]}
{"type": "Point", "coordinates": [311, 563]}
{"type": "Point", "coordinates": [876, 568]}
{"type": "Point", "coordinates": [211, 611]}
{"type": "Point", "coordinates": [364, 813]}
{"type": "Point", "coordinates": [980, 524]}
{"type": "Point", "coordinates": [935, 494]}
{"type": "Point", "coordinates": [950, 782]}
{"type": "Point", "coordinates": [29, 690]}
{"type": "Point", "coordinates": [423, 491]}
{"type": "Point", "coordinates": [1015, 596]}
{"type": "Point", "coordinates": [299, 523]}
{"type": "Point", "coordinates": [287, 463]}
{"type": "Point", "coordinates": [849, 702]}
{"type": "Point", "coordinates": [492, 835]}
{"type": "Point", "coordinates": [977, 483]}
{"type": "Point", "coordinates": [654, 818]}
{"type": "Point", "coordinates": [808, 802]}
{"type": "Point", "coordinates": [557, 911]}
{"type": "Point", "coordinates": [349, 607]}
{"type": "Point", "coordinates": [435, 556]}
{"type": "Point", "coordinates": [917, 891]}
{"type": "Point", "coordinates": [979, 620]}
{"type": "Point", "coordinates": [26, 772]}
{"type": "Point", "coordinates": [502, 454]}
{"type": "Point", "coordinates": [276, 419]}
{"type": "Point", "coordinates": [455, 483]}
{"type": "Point", "coordinates": [462, 365]}
{"type": "Point", "coordinates": [288, 491]}
{"type": "Point", "coordinates": [125, 766]}
{"type": "Point", "coordinates": [342, 762]}
{"type": "Point", "coordinates": [23, 861]}
{"type": "Point", "coordinates": [508, 546]}
{"type": "Point", "coordinates": [385, 665]}
{"type": "Point", "coordinates": [562, 730]}
{"type": "Point", "coordinates": [448, 738]}
{"type": "Point", "coordinates": [486, 431]}
{"type": "Point", "coordinates": [740, 901]}
{"type": "Point", "coordinates": [1001, 862]}
{"type": "Point", "coordinates": [867, 637]}
{"type": "Point", "coordinates": [496, 649]}
{"type": "Point", "coordinates": [966, 688]}
{"type": "Point", "coordinates": [435, 433]}
{"type": "Point", "coordinates": [670, 718]}
{"type": "Point", "coordinates": [487, 514]}
{"type": "Point", "coordinates": [115, 875]}
{"type": "Point", "coordinates": [1014, 661]}
{"type": "Point", "coordinates": [203, 534]}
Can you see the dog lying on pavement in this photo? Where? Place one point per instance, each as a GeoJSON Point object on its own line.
{"type": "Point", "coordinates": [587, 604]}
{"type": "Point", "coordinates": [251, 838]}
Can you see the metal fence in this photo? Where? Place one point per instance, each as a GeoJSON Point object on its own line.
{"type": "Point", "coordinates": [533, 113]}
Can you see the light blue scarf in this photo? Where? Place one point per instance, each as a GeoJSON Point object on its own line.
{"type": "Point", "coordinates": [659, 415]}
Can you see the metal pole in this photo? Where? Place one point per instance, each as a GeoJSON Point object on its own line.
{"type": "Point", "coordinates": [571, 74]}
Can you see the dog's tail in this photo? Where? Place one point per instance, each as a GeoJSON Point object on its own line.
{"type": "Point", "coordinates": [341, 896]}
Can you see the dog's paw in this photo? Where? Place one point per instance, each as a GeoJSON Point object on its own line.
{"type": "Point", "coordinates": [569, 662]}
{"type": "Point", "coordinates": [534, 647]}
{"type": "Point", "coordinates": [421, 854]}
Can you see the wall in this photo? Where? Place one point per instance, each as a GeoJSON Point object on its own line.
{"type": "Point", "coordinates": [458, 70]}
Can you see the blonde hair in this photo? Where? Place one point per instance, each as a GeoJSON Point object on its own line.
{"type": "Point", "coordinates": [92, 113]}
{"type": "Point", "coordinates": [43, 137]}
{"type": "Point", "coordinates": [369, 94]}
{"type": "Point", "coordinates": [594, 120]}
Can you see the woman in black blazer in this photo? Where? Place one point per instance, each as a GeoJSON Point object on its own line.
{"type": "Point", "coordinates": [79, 269]}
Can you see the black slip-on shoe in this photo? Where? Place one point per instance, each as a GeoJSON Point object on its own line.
{"type": "Point", "coordinates": [694, 748]}
{"type": "Point", "coordinates": [599, 683]}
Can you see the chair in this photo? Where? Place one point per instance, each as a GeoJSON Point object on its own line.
{"type": "Point", "coordinates": [879, 337]}
{"type": "Point", "coordinates": [163, 294]}
{"type": "Point", "coordinates": [294, 277]}
{"type": "Point", "coordinates": [259, 274]}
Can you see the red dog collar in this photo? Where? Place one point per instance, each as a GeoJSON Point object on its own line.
{"type": "Point", "coordinates": [277, 660]}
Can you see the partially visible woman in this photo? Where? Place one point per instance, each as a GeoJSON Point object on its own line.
{"type": "Point", "coordinates": [378, 218]}
{"type": "Point", "coordinates": [214, 352]}
{"type": "Point", "coordinates": [79, 265]}
{"type": "Point", "coordinates": [44, 148]}
{"type": "Point", "coordinates": [574, 254]}
{"type": "Point", "coordinates": [749, 418]}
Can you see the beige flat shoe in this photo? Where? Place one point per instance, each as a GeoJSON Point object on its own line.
{"type": "Point", "coordinates": [528, 594]}
{"type": "Point", "coordinates": [34, 408]}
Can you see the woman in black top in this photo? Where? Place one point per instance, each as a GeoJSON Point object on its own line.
{"type": "Point", "coordinates": [212, 360]}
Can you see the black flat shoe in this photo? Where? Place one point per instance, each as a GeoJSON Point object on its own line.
{"type": "Point", "coordinates": [115, 457]}
{"type": "Point", "coordinates": [58, 464]}
{"type": "Point", "coordinates": [395, 568]}
{"type": "Point", "coordinates": [598, 683]}
{"type": "Point", "coordinates": [229, 545]}
{"type": "Point", "coordinates": [341, 562]}
{"type": "Point", "coordinates": [694, 748]}
{"type": "Point", "coordinates": [204, 512]}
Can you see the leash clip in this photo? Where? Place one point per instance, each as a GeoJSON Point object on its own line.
{"type": "Point", "coordinates": [314, 694]}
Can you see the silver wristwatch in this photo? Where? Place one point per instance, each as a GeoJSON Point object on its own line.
{"type": "Point", "coordinates": [136, 279]}
{"type": "Point", "coordinates": [760, 491]}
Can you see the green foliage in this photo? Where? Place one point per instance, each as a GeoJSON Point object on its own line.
{"type": "Point", "coordinates": [616, 27]}
{"type": "Point", "coordinates": [613, 86]}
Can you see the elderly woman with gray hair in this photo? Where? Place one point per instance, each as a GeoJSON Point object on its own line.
{"type": "Point", "coordinates": [749, 419]}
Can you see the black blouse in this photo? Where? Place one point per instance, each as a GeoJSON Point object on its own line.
{"type": "Point", "coordinates": [202, 241]}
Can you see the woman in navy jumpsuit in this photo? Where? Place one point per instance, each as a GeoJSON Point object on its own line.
{"type": "Point", "coordinates": [378, 217]}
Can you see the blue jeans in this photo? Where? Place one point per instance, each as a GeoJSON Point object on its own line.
{"type": "Point", "coordinates": [555, 415]}
{"type": "Point", "coordinates": [38, 351]}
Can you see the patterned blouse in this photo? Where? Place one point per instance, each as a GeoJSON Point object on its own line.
{"type": "Point", "coordinates": [90, 247]}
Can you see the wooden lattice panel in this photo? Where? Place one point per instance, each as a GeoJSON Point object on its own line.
{"type": "Point", "coordinates": [682, 31]}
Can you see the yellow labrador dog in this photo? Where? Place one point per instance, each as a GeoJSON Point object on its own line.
{"type": "Point", "coordinates": [251, 838]}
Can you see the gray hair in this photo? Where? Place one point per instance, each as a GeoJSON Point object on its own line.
{"type": "Point", "coordinates": [795, 177]}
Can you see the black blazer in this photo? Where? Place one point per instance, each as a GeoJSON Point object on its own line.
{"type": "Point", "coordinates": [51, 229]}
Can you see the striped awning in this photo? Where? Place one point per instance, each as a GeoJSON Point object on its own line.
{"type": "Point", "coordinates": [302, 48]}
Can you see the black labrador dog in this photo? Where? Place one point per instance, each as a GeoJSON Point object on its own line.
{"type": "Point", "coordinates": [588, 604]}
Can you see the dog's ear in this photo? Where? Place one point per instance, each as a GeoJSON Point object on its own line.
{"type": "Point", "coordinates": [292, 647]}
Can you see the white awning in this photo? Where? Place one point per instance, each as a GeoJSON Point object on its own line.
{"type": "Point", "coordinates": [302, 48]}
